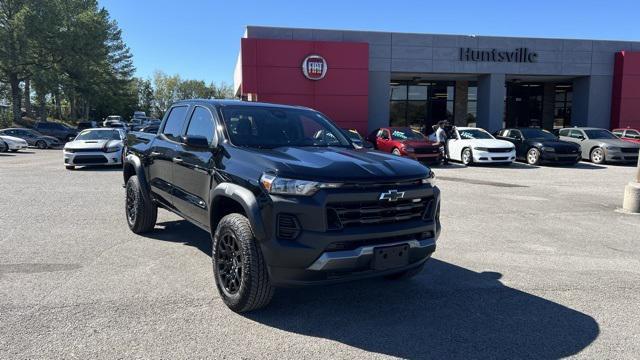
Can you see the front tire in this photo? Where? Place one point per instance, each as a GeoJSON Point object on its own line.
{"type": "Point", "coordinates": [466, 157]}
{"type": "Point", "coordinates": [533, 156]}
{"type": "Point", "coordinates": [597, 156]}
{"type": "Point", "coordinates": [239, 267]}
{"type": "Point", "coordinates": [141, 214]}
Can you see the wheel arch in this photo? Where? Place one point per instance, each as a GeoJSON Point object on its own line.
{"type": "Point", "coordinates": [133, 166]}
{"type": "Point", "coordinates": [227, 198]}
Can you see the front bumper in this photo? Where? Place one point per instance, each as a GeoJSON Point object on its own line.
{"type": "Point", "coordinates": [425, 157]}
{"type": "Point", "coordinates": [16, 146]}
{"type": "Point", "coordinates": [621, 157]}
{"type": "Point", "coordinates": [486, 157]}
{"type": "Point", "coordinates": [92, 158]}
{"type": "Point", "coordinates": [320, 256]}
{"type": "Point", "coordinates": [551, 157]}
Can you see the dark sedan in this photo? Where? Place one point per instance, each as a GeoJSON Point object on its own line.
{"type": "Point", "coordinates": [32, 137]}
{"type": "Point", "coordinates": [536, 146]}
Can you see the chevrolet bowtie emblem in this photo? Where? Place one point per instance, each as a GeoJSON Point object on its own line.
{"type": "Point", "coordinates": [391, 195]}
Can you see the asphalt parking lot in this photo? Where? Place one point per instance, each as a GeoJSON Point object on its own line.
{"type": "Point", "coordinates": [533, 262]}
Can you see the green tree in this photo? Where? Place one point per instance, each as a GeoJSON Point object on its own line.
{"type": "Point", "coordinates": [145, 95]}
{"type": "Point", "coordinates": [165, 91]}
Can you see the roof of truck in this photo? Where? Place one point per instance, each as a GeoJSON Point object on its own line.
{"type": "Point", "coordinates": [228, 102]}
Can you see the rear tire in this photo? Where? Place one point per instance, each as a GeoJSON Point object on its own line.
{"type": "Point", "coordinates": [239, 268]}
{"type": "Point", "coordinates": [141, 214]}
{"type": "Point", "coordinates": [466, 157]}
{"type": "Point", "coordinates": [41, 144]}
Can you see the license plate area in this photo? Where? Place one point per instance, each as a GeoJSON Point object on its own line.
{"type": "Point", "coordinates": [390, 257]}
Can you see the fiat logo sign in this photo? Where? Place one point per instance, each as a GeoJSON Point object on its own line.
{"type": "Point", "coordinates": [314, 67]}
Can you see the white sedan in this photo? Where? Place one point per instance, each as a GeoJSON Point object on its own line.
{"type": "Point", "coordinates": [474, 145]}
{"type": "Point", "coordinates": [95, 147]}
{"type": "Point", "coordinates": [13, 143]}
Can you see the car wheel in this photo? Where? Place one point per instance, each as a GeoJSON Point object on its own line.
{"type": "Point", "coordinates": [407, 274]}
{"type": "Point", "coordinates": [396, 152]}
{"type": "Point", "coordinates": [70, 167]}
{"type": "Point", "coordinates": [41, 144]}
{"type": "Point", "coordinates": [533, 156]}
{"type": "Point", "coordinates": [239, 268]}
{"type": "Point", "coordinates": [467, 156]}
{"type": "Point", "coordinates": [141, 213]}
{"type": "Point", "coordinates": [597, 156]}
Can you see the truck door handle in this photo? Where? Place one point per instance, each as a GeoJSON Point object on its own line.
{"type": "Point", "coordinates": [177, 160]}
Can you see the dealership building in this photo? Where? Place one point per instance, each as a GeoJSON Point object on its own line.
{"type": "Point", "coordinates": [366, 80]}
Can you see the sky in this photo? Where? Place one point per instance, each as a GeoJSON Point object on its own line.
{"type": "Point", "coordinates": [200, 39]}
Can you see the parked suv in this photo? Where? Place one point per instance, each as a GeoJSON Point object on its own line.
{"type": "Point", "coordinates": [60, 131]}
{"type": "Point", "coordinates": [283, 207]}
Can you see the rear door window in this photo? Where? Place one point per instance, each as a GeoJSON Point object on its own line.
{"type": "Point", "coordinates": [175, 122]}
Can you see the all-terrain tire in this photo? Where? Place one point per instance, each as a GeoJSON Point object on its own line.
{"type": "Point", "coordinates": [254, 290]}
{"type": "Point", "coordinates": [141, 213]}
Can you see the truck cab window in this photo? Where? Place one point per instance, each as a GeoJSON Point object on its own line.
{"type": "Point", "coordinates": [201, 124]}
{"type": "Point", "coordinates": [173, 127]}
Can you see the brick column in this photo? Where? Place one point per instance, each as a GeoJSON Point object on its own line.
{"type": "Point", "coordinates": [548, 102]}
{"type": "Point", "coordinates": [460, 103]}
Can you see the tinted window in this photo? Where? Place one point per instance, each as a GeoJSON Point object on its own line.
{"type": "Point", "coordinates": [99, 135]}
{"type": "Point", "coordinates": [515, 133]}
{"type": "Point", "coordinates": [632, 134]}
{"type": "Point", "coordinates": [599, 134]}
{"type": "Point", "coordinates": [406, 134]}
{"type": "Point", "coordinates": [44, 126]}
{"type": "Point", "coordinates": [564, 132]}
{"type": "Point", "coordinates": [470, 134]}
{"type": "Point", "coordinates": [175, 120]}
{"type": "Point", "coordinates": [617, 133]}
{"type": "Point", "coordinates": [201, 124]}
{"type": "Point", "coordinates": [537, 134]}
{"type": "Point", "coordinates": [577, 134]}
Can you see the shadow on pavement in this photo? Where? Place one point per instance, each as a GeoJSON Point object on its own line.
{"type": "Point", "coordinates": [102, 168]}
{"type": "Point", "coordinates": [182, 231]}
{"type": "Point", "coordinates": [447, 311]}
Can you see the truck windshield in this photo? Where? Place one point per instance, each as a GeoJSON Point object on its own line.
{"type": "Point", "coordinates": [271, 127]}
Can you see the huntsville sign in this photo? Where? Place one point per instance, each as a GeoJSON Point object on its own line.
{"type": "Point", "coordinates": [519, 55]}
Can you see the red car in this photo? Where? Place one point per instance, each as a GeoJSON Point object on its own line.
{"type": "Point", "coordinates": [629, 135]}
{"type": "Point", "coordinates": [404, 141]}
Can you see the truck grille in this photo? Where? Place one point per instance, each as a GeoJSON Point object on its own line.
{"type": "Point", "coordinates": [342, 215]}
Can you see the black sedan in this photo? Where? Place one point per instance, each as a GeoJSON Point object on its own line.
{"type": "Point", "coordinates": [537, 146]}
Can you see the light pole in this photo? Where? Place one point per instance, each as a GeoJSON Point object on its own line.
{"type": "Point", "coordinates": [631, 202]}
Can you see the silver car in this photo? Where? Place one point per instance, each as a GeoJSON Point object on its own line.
{"type": "Point", "coordinates": [600, 145]}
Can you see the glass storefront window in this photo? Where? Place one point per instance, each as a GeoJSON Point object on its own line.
{"type": "Point", "coordinates": [398, 113]}
{"type": "Point", "coordinates": [421, 104]}
{"type": "Point", "coordinates": [472, 105]}
{"type": "Point", "coordinates": [562, 106]}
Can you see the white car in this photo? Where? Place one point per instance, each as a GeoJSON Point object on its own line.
{"type": "Point", "coordinates": [13, 143]}
{"type": "Point", "coordinates": [95, 147]}
{"type": "Point", "coordinates": [474, 145]}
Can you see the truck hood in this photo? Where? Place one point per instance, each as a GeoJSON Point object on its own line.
{"type": "Point", "coordinates": [333, 164]}
{"type": "Point", "coordinates": [92, 144]}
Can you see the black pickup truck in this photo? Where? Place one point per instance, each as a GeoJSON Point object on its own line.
{"type": "Point", "coordinates": [287, 198]}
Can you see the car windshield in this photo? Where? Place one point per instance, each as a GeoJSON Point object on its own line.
{"type": "Point", "coordinates": [405, 134]}
{"type": "Point", "coordinates": [599, 134]}
{"type": "Point", "coordinates": [99, 135]}
{"type": "Point", "coordinates": [470, 134]}
{"type": "Point", "coordinates": [271, 127]}
{"type": "Point", "coordinates": [537, 134]}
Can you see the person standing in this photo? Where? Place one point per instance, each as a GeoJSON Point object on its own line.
{"type": "Point", "coordinates": [441, 138]}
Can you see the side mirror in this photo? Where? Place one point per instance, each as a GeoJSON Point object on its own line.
{"type": "Point", "coordinates": [581, 137]}
{"type": "Point", "coordinates": [196, 141]}
{"type": "Point", "coordinates": [367, 145]}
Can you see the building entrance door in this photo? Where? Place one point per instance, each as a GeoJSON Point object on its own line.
{"type": "Point", "coordinates": [524, 104]}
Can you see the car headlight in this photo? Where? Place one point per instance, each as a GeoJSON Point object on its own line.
{"type": "Point", "coordinates": [481, 148]}
{"type": "Point", "coordinates": [548, 149]}
{"type": "Point", "coordinates": [430, 179]}
{"type": "Point", "coordinates": [612, 148]}
{"type": "Point", "coordinates": [284, 186]}
{"type": "Point", "coordinates": [111, 149]}
{"type": "Point", "coordinates": [408, 148]}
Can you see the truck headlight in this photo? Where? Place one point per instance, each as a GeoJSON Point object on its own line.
{"type": "Point", "coordinates": [284, 186]}
{"type": "Point", "coordinates": [430, 179]}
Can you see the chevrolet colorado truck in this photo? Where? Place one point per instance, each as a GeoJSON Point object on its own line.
{"type": "Point", "coordinates": [284, 207]}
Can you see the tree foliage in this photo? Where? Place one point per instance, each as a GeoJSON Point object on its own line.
{"type": "Point", "coordinates": [72, 52]}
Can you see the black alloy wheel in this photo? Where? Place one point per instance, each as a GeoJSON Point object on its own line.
{"type": "Point", "coordinates": [40, 144]}
{"type": "Point", "coordinates": [229, 260]}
